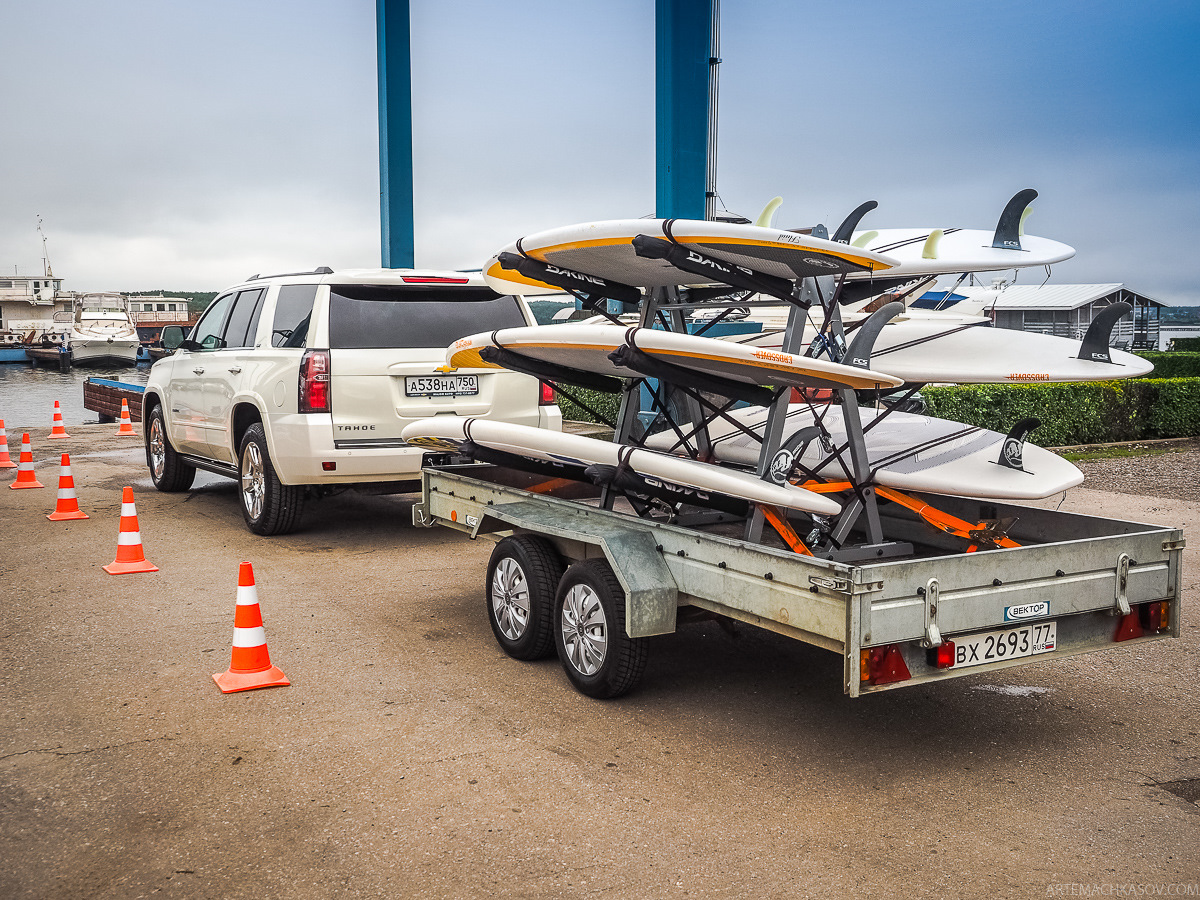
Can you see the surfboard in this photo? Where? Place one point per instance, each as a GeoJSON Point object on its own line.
{"type": "Point", "coordinates": [451, 432]}
{"type": "Point", "coordinates": [944, 251]}
{"type": "Point", "coordinates": [605, 250]}
{"type": "Point", "coordinates": [906, 451]}
{"type": "Point", "coordinates": [587, 348]}
{"type": "Point", "coordinates": [927, 348]}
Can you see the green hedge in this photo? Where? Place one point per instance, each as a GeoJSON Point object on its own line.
{"type": "Point", "coordinates": [1088, 413]}
{"type": "Point", "coordinates": [1097, 412]}
{"type": "Point", "coordinates": [1174, 364]}
{"type": "Point", "coordinates": [1192, 344]}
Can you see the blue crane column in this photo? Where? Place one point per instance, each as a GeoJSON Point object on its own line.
{"type": "Point", "coordinates": [684, 32]}
{"type": "Point", "coordinates": [395, 134]}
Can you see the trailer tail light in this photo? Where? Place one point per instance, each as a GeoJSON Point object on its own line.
{"type": "Point", "coordinates": [547, 394]}
{"type": "Point", "coordinates": [1155, 616]}
{"type": "Point", "coordinates": [942, 656]}
{"type": "Point", "coordinates": [1129, 627]}
{"type": "Point", "coordinates": [883, 665]}
{"type": "Point", "coordinates": [314, 382]}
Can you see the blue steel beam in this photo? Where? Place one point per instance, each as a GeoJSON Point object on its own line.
{"type": "Point", "coordinates": [395, 134]}
{"type": "Point", "coordinates": [683, 31]}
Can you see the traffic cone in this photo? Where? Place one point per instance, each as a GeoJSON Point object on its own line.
{"type": "Point", "coordinates": [126, 425]}
{"type": "Point", "coordinates": [5, 460]}
{"type": "Point", "coordinates": [58, 430]}
{"type": "Point", "coordinates": [130, 558]}
{"type": "Point", "coordinates": [67, 506]}
{"type": "Point", "coordinates": [25, 476]}
{"type": "Point", "coordinates": [250, 666]}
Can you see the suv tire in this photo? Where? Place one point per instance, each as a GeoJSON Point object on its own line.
{"type": "Point", "coordinates": [169, 473]}
{"type": "Point", "coordinates": [268, 505]}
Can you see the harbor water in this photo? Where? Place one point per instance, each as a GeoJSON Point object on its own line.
{"type": "Point", "coordinates": [27, 394]}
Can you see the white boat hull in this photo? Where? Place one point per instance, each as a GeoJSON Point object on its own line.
{"type": "Point", "coordinates": [96, 351]}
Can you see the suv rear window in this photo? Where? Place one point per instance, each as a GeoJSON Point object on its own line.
{"type": "Point", "coordinates": [365, 316]}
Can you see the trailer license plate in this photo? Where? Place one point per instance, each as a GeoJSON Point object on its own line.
{"type": "Point", "coordinates": [1008, 643]}
{"type": "Point", "coordinates": [441, 385]}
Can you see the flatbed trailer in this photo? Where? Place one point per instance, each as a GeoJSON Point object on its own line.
{"type": "Point", "coordinates": [594, 582]}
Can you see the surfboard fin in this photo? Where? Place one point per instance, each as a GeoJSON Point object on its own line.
{"type": "Point", "coordinates": [1099, 333]}
{"type": "Point", "coordinates": [845, 231]}
{"type": "Point", "coordinates": [767, 216]}
{"type": "Point", "coordinates": [859, 352]}
{"type": "Point", "coordinates": [1013, 449]}
{"type": "Point", "coordinates": [1008, 229]}
{"type": "Point", "coordinates": [929, 251]}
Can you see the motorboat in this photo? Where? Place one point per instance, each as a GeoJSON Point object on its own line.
{"type": "Point", "coordinates": [102, 331]}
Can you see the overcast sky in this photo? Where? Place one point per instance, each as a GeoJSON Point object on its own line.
{"type": "Point", "coordinates": [188, 145]}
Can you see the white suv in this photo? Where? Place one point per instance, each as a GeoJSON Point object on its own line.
{"type": "Point", "coordinates": [294, 383]}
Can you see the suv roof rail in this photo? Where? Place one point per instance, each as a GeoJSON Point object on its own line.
{"type": "Point", "coordinates": [319, 270]}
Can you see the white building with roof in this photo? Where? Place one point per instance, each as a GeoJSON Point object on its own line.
{"type": "Point", "coordinates": [1062, 309]}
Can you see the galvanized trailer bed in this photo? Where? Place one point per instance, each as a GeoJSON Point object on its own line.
{"type": "Point", "coordinates": [1077, 583]}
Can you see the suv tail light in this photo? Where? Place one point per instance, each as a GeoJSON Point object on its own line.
{"type": "Point", "coordinates": [314, 382]}
{"type": "Point", "coordinates": [547, 394]}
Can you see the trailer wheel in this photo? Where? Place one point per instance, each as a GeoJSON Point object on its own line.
{"type": "Point", "coordinates": [601, 660]}
{"type": "Point", "coordinates": [522, 576]}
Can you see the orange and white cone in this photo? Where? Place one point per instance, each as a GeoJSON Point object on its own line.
{"type": "Point", "coordinates": [25, 476]}
{"type": "Point", "coordinates": [250, 666]}
{"type": "Point", "coordinates": [130, 557]}
{"type": "Point", "coordinates": [5, 460]}
{"type": "Point", "coordinates": [67, 506]}
{"type": "Point", "coordinates": [58, 430]}
{"type": "Point", "coordinates": [125, 422]}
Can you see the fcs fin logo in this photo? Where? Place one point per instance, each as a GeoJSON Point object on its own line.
{"type": "Point", "coordinates": [781, 466]}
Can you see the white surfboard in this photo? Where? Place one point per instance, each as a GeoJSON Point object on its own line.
{"type": "Point", "coordinates": [943, 251]}
{"type": "Point", "coordinates": [927, 348]}
{"type": "Point", "coordinates": [450, 432]}
{"type": "Point", "coordinates": [587, 347]}
{"type": "Point", "coordinates": [909, 452]}
{"type": "Point", "coordinates": [605, 250]}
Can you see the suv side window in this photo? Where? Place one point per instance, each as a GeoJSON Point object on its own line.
{"type": "Point", "coordinates": [293, 309]}
{"type": "Point", "coordinates": [243, 320]}
{"type": "Point", "coordinates": [207, 332]}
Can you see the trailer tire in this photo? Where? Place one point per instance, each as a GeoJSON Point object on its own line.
{"type": "Point", "coordinates": [600, 659]}
{"type": "Point", "coordinates": [522, 576]}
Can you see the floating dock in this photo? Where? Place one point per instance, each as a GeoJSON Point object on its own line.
{"type": "Point", "coordinates": [104, 396]}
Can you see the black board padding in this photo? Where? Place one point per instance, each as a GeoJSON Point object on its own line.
{"type": "Point", "coordinates": [1008, 229]}
{"type": "Point", "coordinates": [1012, 451]}
{"type": "Point", "coordinates": [1099, 333]}
{"type": "Point", "coordinates": [569, 280]}
{"type": "Point", "coordinates": [697, 263]}
{"type": "Point", "coordinates": [483, 454]}
{"type": "Point", "coordinates": [518, 362]}
{"type": "Point", "coordinates": [627, 480]}
{"type": "Point", "coordinates": [633, 358]}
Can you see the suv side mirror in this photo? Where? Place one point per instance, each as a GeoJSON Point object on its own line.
{"type": "Point", "coordinates": [172, 337]}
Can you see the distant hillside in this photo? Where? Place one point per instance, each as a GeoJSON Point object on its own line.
{"type": "Point", "coordinates": [197, 300]}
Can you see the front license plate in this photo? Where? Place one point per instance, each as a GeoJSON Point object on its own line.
{"type": "Point", "coordinates": [1008, 643]}
{"type": "Point", "coordinates": [441, 385]}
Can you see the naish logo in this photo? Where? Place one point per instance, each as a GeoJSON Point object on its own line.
{"type": "Point", "coordinates": [781, 466]}
{"type": "Point", "coordinates": [580, 276]}
{"type": "Point", "coordinates": [819, 262]}
{"type": "Point", "coordinates": [1012, 452]}
{"type": "Point", "coordinates": [695, 257]}
{"type": "Point", "coordinates": [1028, 376]}
{"type": "Point", "coordinates": [772, 357]}
{"type": "Point", "coordinates": [1026, 611]}
{"type": "Point", "coordinates": [675, 488]}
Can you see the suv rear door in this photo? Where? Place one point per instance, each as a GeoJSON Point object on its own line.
{"type": "Point", "coordinates": [387, 343]}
